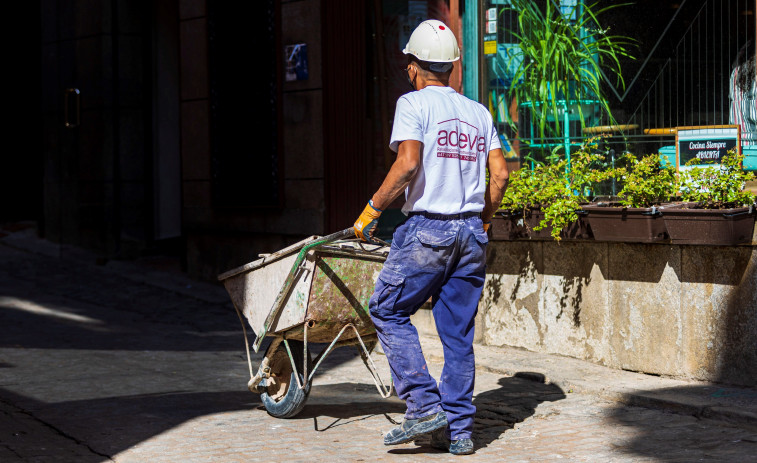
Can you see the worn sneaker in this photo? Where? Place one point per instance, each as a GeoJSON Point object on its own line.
{"type": "Point", "coordinates": [440, 441]}
{"type": "Point", "coordinates": [461, 447]}
{"type": "Point", "coordinates": [410, 429]}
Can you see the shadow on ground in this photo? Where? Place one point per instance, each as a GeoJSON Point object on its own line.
{"type": "Point", "coordinates": [338, 404]}
{"type": "Point", "coordinates": [73, 306]}
{"type": "Point", "coordinates": [110, 362]}
{"type": "Point", "coordinates": [501, 409]}
{"type": "Point", "coordinates": [113, 424]}
{"type": "Point", "coordinates": [688, 433]}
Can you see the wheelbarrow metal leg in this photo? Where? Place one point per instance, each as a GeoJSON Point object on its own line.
{"type": "Point", "coordinates": [365, 355]}
{"type": "Point", "coordinates": [368, 361]}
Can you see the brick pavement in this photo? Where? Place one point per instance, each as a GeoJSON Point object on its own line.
{"type": "Point", "coordinates": [123, 363]}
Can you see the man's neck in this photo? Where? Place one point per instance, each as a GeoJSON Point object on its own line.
{"type": "Point", "coordinates": [432, 83]}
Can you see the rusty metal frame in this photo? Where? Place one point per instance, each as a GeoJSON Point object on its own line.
{"type": "Point", "coordinates": [323, 246]}
{"type": "Point", "coordinates": [364, 354]}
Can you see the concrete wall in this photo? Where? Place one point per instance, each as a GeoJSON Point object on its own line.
{"type": "Point", "coordinates": [683, 311]}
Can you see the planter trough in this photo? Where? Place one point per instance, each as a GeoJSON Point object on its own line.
{"type": "Point", "coordinates": [507, 226]}
{"type": "Point", "coordinates": [687, 224]}
{"type": "Point", "coordinates": [613, 222]}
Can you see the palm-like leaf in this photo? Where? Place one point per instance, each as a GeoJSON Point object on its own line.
{"type": "Point", "coordinates": [560, 59]}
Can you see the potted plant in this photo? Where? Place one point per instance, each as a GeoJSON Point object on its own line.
{"type": "Point", "coordinates": [558, 62]}
{"type": "Point", "coordinates": [508, 222]}
{"type": "Point", "coordinates": [716, 208]}
{"type": "Point", "coordinates": [545, 202]}
{"type": "Point", "coordinates": [636, 217]}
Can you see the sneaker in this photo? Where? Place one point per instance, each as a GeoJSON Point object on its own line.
{"type": "Point", "coordinates": [410, 429]}
{"type": "Point", "coordinates": [440, 441]}
{"type": "Point", "coordinates": [461, 447]}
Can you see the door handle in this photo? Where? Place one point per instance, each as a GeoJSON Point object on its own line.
{"type": "Point", "coordinates": [71, 108]}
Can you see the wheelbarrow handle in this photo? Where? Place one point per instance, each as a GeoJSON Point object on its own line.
{"type": "Point", "coordinates": [340, 235]}
{"type": "Point", "coordinates": [347, 233]}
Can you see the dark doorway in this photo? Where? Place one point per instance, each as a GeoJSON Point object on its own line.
{"type": "Point", "coordinates": [21, 158]}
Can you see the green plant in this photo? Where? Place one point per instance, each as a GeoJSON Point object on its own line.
{"type": "Point", "coordinates": [645, 182]}
{"type": "Point", "coordinates": [717, 187]}
{"type": "Point", "coordinates": [557, 192]}
{"type": "Point", "coordinates": [562, 58]}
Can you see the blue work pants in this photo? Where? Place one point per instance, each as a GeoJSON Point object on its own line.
{"type": "Point", "coordinates": [444, 260]}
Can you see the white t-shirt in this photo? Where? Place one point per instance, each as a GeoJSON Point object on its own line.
{"type": "Point", "coordinates": [457, 135]}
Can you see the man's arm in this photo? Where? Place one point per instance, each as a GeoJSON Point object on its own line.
{"type": "Point", "coordinates": [498, 178]}
{"type": "Point", "coordinates": [401, 174]}
{"type": "Point", "coordinates": [403, 171]}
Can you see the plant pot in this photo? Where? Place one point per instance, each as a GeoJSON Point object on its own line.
{"type": "Point", "coordinates": [687, 224]}
{"type": "Point", "coordinates": [578, 230]}
{"type": "Point", "coordinates": [532, 220]}
{"type": "Point", "coordinates": [507, 225]}
{"type": "Point", "coordinates": [613, 222]}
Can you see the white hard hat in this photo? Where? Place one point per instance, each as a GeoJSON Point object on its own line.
{"type": "Point", "coordinates": [434, 42]}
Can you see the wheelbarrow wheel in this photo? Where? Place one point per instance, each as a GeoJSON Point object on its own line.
{"type": "Point", "coordinates": [281, 396]}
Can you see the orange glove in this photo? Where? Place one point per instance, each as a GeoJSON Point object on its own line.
{"type": "Point", "coordinates": [366, 224]}
{"type": "Point", "coordinates": [486, 226]}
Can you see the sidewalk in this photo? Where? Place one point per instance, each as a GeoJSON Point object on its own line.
{"type": "Point", "coordinates": [131, 361]}
{"type": "Point", "coordinates": [735, 405]}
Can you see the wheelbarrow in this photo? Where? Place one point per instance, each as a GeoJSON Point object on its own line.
{"type": "Point", "coordinates": [315, 291]}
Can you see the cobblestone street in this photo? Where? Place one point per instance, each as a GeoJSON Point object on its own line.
{"type": "Point", "coordinates": [130, 364]}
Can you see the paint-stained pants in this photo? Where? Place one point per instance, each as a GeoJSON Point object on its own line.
{"type": "Point", "coordinates": [444, 260]}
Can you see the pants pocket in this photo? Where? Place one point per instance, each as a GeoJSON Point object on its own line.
{"type": "Point", "coordinates": [481, 237]}
{"type": "Point", "coordinates": [433, 238]}
{"type": "Point", "coordinates": [388, 290]}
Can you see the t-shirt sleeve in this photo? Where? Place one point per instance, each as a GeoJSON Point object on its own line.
{"type": "Point", "coordinates": [495, 143]}
{"type": "Point", "coordinates": [407, 124]}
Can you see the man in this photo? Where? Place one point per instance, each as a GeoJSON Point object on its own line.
{"type": "Point", "coordinates": [444, 143]}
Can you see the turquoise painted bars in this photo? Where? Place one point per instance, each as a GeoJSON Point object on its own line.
{"type": "Point", "coordinates": [470, 49]}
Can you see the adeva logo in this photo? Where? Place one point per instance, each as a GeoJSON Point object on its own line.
{"type": "Point", "coordinates": [459, 140]}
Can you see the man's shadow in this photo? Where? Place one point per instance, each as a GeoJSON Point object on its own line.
{"type": "Point", "coordinates": [498, 410]}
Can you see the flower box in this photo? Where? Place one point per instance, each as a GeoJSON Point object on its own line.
{"type": "Point", "coordinates": [507, 225]}
{"type": "Point", "coordinates": [687, 223]}
{"type": "Point", "coordinates": [614, 222]}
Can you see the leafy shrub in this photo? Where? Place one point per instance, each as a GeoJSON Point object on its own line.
{"type": "Point", "coordinates": [554, 189]}
{"type": "Point", "coordinates": [717, 187]}
{"type": "Point", "coordinates": [559, 192]}
{"type": "Point", "coordinates": [645, 182]}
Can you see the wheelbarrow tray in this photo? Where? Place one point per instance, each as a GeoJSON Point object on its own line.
{"type": "Point", "coordinates": [331, 288]}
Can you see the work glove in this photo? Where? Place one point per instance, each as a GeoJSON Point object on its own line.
{"type": "Point", "coordinates": [366, 224]}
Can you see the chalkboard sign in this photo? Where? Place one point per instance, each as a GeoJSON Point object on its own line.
{"type": "Point", "coordinates": [708, 144]}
